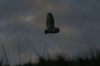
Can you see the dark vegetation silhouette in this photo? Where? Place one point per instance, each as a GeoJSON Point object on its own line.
{"type": "Point", "coordinates": [18, 47]}
{"type": "Point", "coordinates": [62, 60]}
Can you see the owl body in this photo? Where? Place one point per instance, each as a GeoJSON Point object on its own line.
{"type": "Point", "coordinates": [50, 24]}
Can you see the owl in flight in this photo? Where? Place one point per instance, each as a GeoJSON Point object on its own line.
{"type": "Point", "coordinates": [50, 24]}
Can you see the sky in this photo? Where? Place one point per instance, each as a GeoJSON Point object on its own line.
{"type": "Point", "coordinates": [78, 21]}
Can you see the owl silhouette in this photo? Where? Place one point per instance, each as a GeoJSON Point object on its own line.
{"type": "Point", "coordinates": [50, 25]}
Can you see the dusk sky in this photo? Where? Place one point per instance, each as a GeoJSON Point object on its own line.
{"type": "Point", "coordinates": [78, 21]}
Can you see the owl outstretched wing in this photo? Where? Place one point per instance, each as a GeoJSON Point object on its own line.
{"type": "Point", "coordinates": [50, 21]}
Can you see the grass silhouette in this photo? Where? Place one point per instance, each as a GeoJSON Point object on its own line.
{"type": "Point", "coordinates": [61, 60]}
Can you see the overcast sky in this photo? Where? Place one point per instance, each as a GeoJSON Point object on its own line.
{"type": "Point", "coordinates": [78, 21]}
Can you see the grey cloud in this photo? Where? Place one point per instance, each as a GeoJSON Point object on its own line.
{"type": "Point", "coordinates": [77, 18]}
